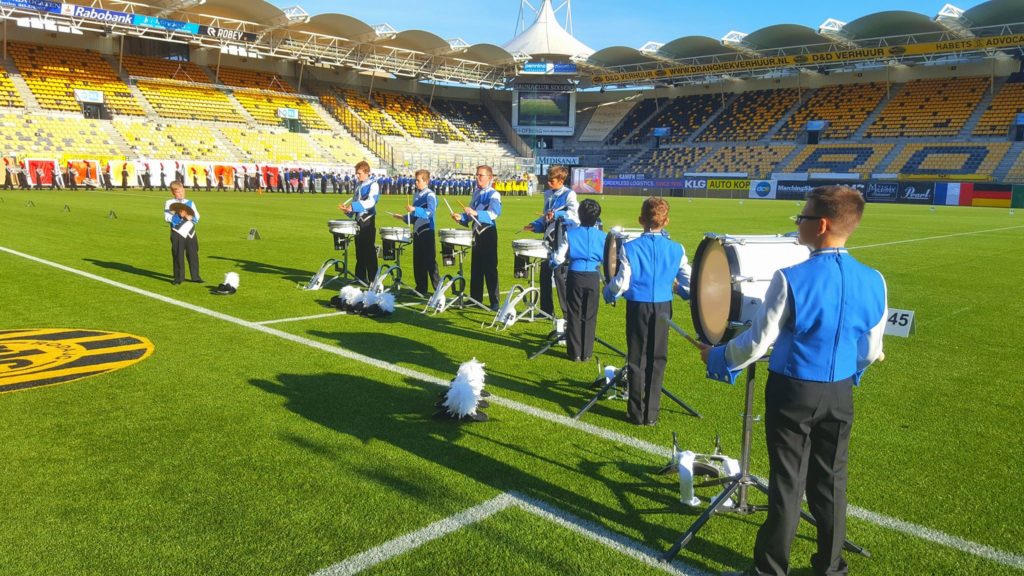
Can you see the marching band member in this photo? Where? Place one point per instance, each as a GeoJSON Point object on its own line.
{"type": "Point", "coordinates": [421, 216]}
{"type": "Point", "coordinates": [583, 247]}
{"type": "Point", "coordinates": [825, 317]}
{"type": "Point", "coordinates": [364, 211]}
{"type": "Point", "coordinates": [482, 212]}
{"type": "Point", "coordinates": [560, 204]}
{"type": "Point", "coordinates": [648, 267]}
{"type": "Point", "coordinates": [183, 244]}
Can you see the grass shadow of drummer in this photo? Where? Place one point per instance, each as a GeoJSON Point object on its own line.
{"type": "Point", "coordinates": [398, 415]}
{"type": "Point", "coordinates": [252, 266]}
{"type": "Point", "coordinates": [121, 266]}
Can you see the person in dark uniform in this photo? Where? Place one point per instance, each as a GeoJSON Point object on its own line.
{"type": "Point", "coordinates": [364, 211]}
{"type": "Point", "coordinates": [220, 181]}
{"type": "Point", "coordinates": [582, 248]}
{"type": "Point", "coordinates": [124, 176]}
{"type": "Point", "coordinates": [72, 177]}
{"type": "Point", "coordinates": [824, 319]}
{"type": "Point", "coordinates": [482, 213]}
{"type": "Point", "coordinates": [147, 177]}
{"type": "Point", "coordinates": [421, 216]}
{"type": "Point", "coordinates": [648, 267]}
{"type": "Point", "coordinates": [39, 177]}
{"type": "Point", "coordinates": [560, 205]}
{"type": "Point", "coordinates": [208, 178]}
{"type": "Point", "coordinates": [163, 178]}
{"type": "Point", "coordinates": [184, 243]}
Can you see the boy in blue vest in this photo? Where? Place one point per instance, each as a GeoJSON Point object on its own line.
{"type": "Point", "coordinates": [421, 215]}
{"type": "Point", "coordinates": [583, 247]}
{"type": "Point", "coordinates": [649, 267]}
{"type": "Point", "coordinates": [364, 211]}
{"type": "Point", "coordinates": [826, 318]}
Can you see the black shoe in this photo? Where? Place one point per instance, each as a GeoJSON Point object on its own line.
{"type": "Point", "coordinates": [197, 280]}
{"type": "Point", "coordinates": [176, 282]}
{"type": "Point", "coordinates": [493, 307]}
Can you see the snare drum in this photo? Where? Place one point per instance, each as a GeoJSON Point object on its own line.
{"type": "Point", "coordinates": [342, 230]}
{"type": "Point", "coordinates": [450, 238]}
{"type": "Point", "coordinates": [390, 236]}
{"type": "Point", "coordinates": [730, 277]}
{"type": "Point", "coordinates": [524, 250]}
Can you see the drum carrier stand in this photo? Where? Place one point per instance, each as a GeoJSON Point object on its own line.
{"type": "Point", "coordinates": [341, 242]}
{"type": "Point", "coordinates": [457, 283]}
{"type": "Point", "coordinates": [391, 250]}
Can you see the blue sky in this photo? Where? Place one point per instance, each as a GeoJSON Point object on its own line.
{"type": "Point", "coordinates": [603, 23]}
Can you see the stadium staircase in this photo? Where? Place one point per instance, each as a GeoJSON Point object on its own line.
{"type": "Point", "coordinates": [858, 135]}
{"type": "Point", "coordinates": [711, 119]}
{"type": "Point", "coordinates": [225, 143]}
{"type": "Point", "coordinates": [120, 143]}
{"type": "Point", "coordinates": [788, 114]}
{"type": "Point", "coordinates": [981, 108]}
{"type": "Point", "coordinates": [789, 157]}
{"type": "Point", "coordinates": [883, 164]}
{"type": "Point", "coordinates": [339, 128]}
{"type": "Point", "coordinates": [31, 104]}
{"type": "Point", "coordinates": [1001, 173]}
{"type": "Point", "coordinates": [132, 88]}
{"type": "Point", "coordinates": [242, 111]}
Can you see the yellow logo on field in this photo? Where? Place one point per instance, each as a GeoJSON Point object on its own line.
{"type": "Point", "coordinates": [47, 356]}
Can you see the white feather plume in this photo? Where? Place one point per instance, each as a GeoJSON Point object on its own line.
{"type": "Point", "coordinates": [464, 394]}
{"type": "Point", "coordinates": [386, 301]}
{"type": "Point", "coordinates": [370, 298]}
{"type": "Point", "coordinates": [349, 294]}
{"type": "Point", "coordinates": [231, 279]}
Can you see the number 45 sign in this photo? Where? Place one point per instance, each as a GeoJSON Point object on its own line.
{"type": "Point", "coordinates": [899, 322]}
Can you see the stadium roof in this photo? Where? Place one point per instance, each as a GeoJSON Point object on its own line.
{"type": "Point", "coordinates": [338, 40]}
{"type": "Point", "coordinates": [546, 37]}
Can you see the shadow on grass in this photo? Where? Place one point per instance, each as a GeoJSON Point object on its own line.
{"type": "Point", "coordinates": [128, 268]}
{"type": "Point", "coordinates": [286, 273]}
{"type": "Point", "coordinates": [401, 415]}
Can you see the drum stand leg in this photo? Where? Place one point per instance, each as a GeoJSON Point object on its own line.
{"type": "Point", "coordinates": [621, 378]}
{"type": "Point", "coordinates": [397, 285]}
{"type": "Point", "coordinates": [739, 484]}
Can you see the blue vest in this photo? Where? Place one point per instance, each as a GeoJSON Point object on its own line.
{"type": "Point", "coordinates": [586, 248]}
{"type": "Point", "coordinates": [363, 193]}
{"type": "Point", "coordinates": [654, 263]}
{"type": "Point", "coordinates": [835, 301]}
{"type": "Point", "coordinates": [423, 200]}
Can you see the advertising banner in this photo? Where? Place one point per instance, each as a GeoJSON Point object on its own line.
{"type": "Point", "coordinates": [881, 191]}
{"type": "Point", "coordinates": [162, 24]}
{"type": "Point", "coordinates": [762, 189]}
{"type": "Point", "coordinates": [98, 14]}
{"type": "Point", "coordinates": [588, 180]}
{"type": "Point", "coordinates": [228, 34]}
{"type": "Point", "coordinates": [38, 5]}
{"type": "Point", "coordinates": [916, 193]}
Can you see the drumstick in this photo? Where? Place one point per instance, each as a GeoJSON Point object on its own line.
{"type": "Point", "coordinates": [681, 332]}
{"type": "Point", "coordinates": [464, 208]}
{"type": "Point", "coordinates": [447, 204]}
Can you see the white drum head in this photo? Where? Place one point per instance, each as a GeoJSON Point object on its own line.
{"type": "Point", "coordinates": [713, 299]}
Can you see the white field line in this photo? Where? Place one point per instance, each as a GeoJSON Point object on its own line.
{"type": "Point", "coordinates": [933, 238]}
{"type": "Point", "coordinates": [1006, 558]}
{"type": "Point", "coordinates": [408, 542]}
{"type": "Point", "coordinates": [298, 318]}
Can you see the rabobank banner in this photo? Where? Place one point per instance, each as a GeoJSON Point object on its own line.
{"type": "Point", "coordinates": [98, 14]}
{"type": "Point", "coordinates": [38, 5]}
{"type": "Point", "coordinates": [762, 189]}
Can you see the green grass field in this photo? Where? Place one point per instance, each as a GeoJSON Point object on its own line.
{"type": "Point", "coordinates": [295, 446]}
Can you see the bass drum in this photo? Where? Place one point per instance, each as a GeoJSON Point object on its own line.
{"type": "Point", "coordinates": [730, 277]}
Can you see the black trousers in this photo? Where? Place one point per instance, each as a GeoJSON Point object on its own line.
{"type": "Point", "coordinates": [424, 260]}
{"type": "Point", "coordinates": [584, 294]}
{"type": "Point", "coordinates": [646, 356]}
{"type": "Point", "coordinates": [366, 249]}
{"type": "Point", "coordinates": [547, 305]}
{"type": "Point", "coordinates": [807, 427]}
{"type": "Point", "coordinates": [484, 267]}
{"type": "Point", "coordinates": [182, 249]}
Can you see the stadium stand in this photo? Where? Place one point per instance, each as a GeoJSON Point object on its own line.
{"type": "Point", "coordinates": [669, 162]}
{"type": "Point", "coordinates": [839, 158]}
{"type": "Point", "coordinates": [755, 161]}
{"type": "Point", "coordinates": [472, 119]}
{"type": "Point", "coordinates": [845, 106]}
{"type": "Point", "coordinates": [750, 116]}
{"type": "Point", "coordinates": [683, 115]}
{"type": "Point", "coordinates": [164, 140]}
{"type": "Point", "coordinates": [1015, 173]}
{"type": "Point", "coordinates": [999, 116]}
{"type": "Point", "coordinates": [343, 149]}
{"type": "Point", "coordinates": [54, 73]}
{"type": "Point", "coordinates": [9, 96]}
{"type": "Point", "coordinates": [377, 118]}
{"type": "Point", "coordinates": [637, 116]}
{"type": "Point", "coordinates": [930, 107]}
{"type": "Point", "coordinates": [414, 116]}
{"type": "Point", "coordinates": [253, 79]}
{"type": "Point", "coordinates": [263, 107]}
{"type": "Point", "coordinates": [968, 160]}
{"type": "Point", "coordinates": [189, 102]}
{"type": "Point", "coordinates": [180, 70]}
{"type": "Point", "coordinates": [274, 146]}
{"type": "Point", "coordinates": [47, 136]}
